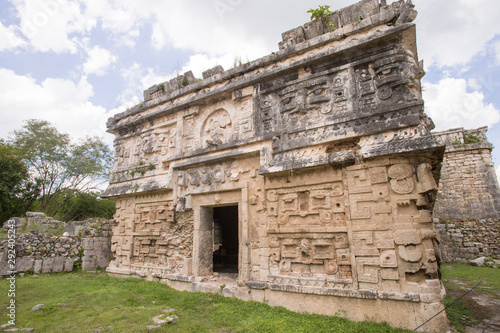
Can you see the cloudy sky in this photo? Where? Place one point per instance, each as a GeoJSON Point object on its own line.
{"type": "Point", "coordinates": [77, 62]}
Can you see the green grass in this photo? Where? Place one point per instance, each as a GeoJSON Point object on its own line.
{"type": "Point", "coordinates": [79, 302]}
{"type": "Point", "coordinates": [469, 276]}
{"type": "Point", "coordinates": [461, 278]}
{"type": "Point", "coordinates": [459, 314]}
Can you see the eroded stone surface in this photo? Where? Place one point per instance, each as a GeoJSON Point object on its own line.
{"type": "Point", "coordinates": [467, 210]}
{"type": "Point", "coordinates": [326, 152]}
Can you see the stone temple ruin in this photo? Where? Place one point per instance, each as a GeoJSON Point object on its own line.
{"type": "Point", "coordinates": [307, 176]}
{"type": "Point", "coordinates": [467, 209]}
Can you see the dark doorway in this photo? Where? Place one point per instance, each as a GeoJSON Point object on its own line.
{"type": "Point", "coordinates": [226, 242]}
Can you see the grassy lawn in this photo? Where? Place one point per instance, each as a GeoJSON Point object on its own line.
{"type": "Point", "coordinates": [464, 277]}
{"type": "Point", "coordinates": [458, 279]}
{"type": "Point", "coordinates": [81, 302]}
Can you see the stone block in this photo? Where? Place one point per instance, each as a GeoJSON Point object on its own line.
{"type": "Point", "coordinates": [4, 268]}
{"type": "Point", "coordinates": [102, 261]}
{"type": "Point", "coordinates": [359, 11]}
{"type": "Point", "coordinates": [188, 266]}
{"type": "Point", "coordinates": [24, 264]}
{"type": "Point", "coordinates": [58, 264]}
{"type": "Point", "coordinates": [89, 265]}
{"type": "Point", "coordinates": [38, 266]}
{"type": "Point", "coordinates": [478, 262]}
{"type": "Point", "coordinates": [212, 72]}
{"type": "Point", "coordinates": [47, 265]}
{"type": "Point", "coordinates": [313, 29]}
{"type": "Point", "coordinates": [68, 264]}
{"type": "Point", "coordinates": [88, 243]}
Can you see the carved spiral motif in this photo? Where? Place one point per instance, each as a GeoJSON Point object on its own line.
{"type": "Point", "coordinates": [331, 267]}
{"type": "Point", "coordinates": [326, 216]}
{"type": "Point", "coordinates": [410, 253]}
{"type": "Point", "coordinates": [401, 176]}
{"type": "Point", "coordinates": [384, 92]}
{"type": "Point", "coordinates": [285, 266]}
{"type": "Point", "coordinates": [283, 219]}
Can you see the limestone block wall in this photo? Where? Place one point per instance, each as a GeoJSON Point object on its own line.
{"type": "Point", "coordinates": [306, 178]}
{"type": "Point", "coordinates": [462, 241]}
{"type": "Point", "coordinates": [40, 253]}
{"type": "Point", "coordinates": [467, 210]}
{"type": "Point", "coordinates": [468, 186]}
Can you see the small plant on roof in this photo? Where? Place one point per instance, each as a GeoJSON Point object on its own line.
{"type": "Point", "coordinates": [321, 13]}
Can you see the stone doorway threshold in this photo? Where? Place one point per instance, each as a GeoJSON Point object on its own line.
{"type": "Point", "coordinates": [226, 284]}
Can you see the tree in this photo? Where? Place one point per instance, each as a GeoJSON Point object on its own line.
{"type": "Point", "coordinates": [82, 206]}
{"type": "Point", "coordinates": [17, 192]}
{"type": "Point", "coordinates": [57, 164]}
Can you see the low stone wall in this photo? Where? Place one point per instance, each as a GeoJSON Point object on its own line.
{"type": "Point", "coordinates": [89, 249]}
{"type": "Point", "coordinates": [462, 241]}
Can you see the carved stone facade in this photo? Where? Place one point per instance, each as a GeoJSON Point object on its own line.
{"type": "Point", "coordinates": [307, 176]}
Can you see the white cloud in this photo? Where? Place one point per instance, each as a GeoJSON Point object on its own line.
{"type": "Point", "coordinates": [122, 18]}
{"type": "Point", "coordinates": [227, 27]}
{"type": "Point", "coordinates": [464, 26]}
{"type": "Point", "coordinates": [62, 102]}
{"type": "Point", "coordinates": [98, 61]}
{"type": "Point", "coordinates": [498, 173]}
{"type": "Point", "coordinates": [9, 39]}
{"type": "Point", "coordinates": [199, 63]}
{"type": "Point", "coordinates": [450, 105]}
{"type": "Point", "coordinates": [157, 38]}
{"type": "Point", "coordinates": [138, 79]}
{"type": "Point", "coordinates": [49, 25]}
{"type": "Point", "coordinates": [496, 47]}
{"type": "Point", "coordinates": [474, 84]}
{"type": "Point", "coordinates": [241, 27]}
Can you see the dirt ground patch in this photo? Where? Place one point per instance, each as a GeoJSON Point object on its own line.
{"type": "Point", "coordinates": [484, 307]}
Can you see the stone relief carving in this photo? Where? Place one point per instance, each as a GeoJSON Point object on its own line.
{"type": "Point", "coordinates": [319, 205]}
{"type": "Point", "coordinates": [401, 178]}
{"type": "Point", "coordinates": [390, 79]}
{"type": "Point", "coordinates": [182, 179]}
{"type": "Point", "coordinates": [426, 181]}
{"type": "Point", "coordinates": [166, 138]}
{"type": "Point", "coordinates": [219, 174]}
{"type": "Point", "coordinates": [215, 174]}
{"type": "Point", "coordinates": [323, 250]}
{"type": "Point", "coordinates": [153, 239]}
{"type": "Point", "coordinates": [380, 253]}
{"type": "Point", "coordinates": [299, 104]}
{"type": "Point", "coordinates": [147, 143]}
{"type": "Point", "coordinates": [217, 128]}
{"type": "Point", "coordinates": [317, 255]}
{"type": "Point", "coordinates": [122, 153]}
{"type": "Point", "coordinates": [152, 218]}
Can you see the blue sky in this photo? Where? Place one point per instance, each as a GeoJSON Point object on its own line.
{"type": "Point", "coordinates": [78, 62]}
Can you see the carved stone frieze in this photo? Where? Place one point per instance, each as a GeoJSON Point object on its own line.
{"type": "Point", "coordinates": [308, 172]}
{"type": "Point", "coordinates": [217, 128]}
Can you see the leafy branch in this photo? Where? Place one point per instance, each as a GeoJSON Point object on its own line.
{"type": "Point", "coordinates": [321, 13]}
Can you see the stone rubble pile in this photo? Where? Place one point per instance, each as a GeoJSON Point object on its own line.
{"type": "Point", "coordinates": [84, 244]}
